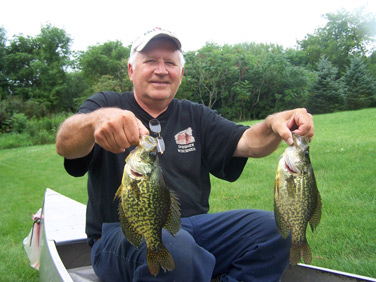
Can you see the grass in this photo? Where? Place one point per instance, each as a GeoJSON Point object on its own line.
{"type": "Point", "coordinates": [343, 154]}
{"type": "Point", "coordinates": [25, 173]}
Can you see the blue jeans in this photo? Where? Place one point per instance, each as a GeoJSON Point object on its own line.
{"type": "Point", "coordinates": [239, 245]}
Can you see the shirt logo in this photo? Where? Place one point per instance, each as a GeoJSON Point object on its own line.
{"type": "Point", "coordinates": [185, 141]}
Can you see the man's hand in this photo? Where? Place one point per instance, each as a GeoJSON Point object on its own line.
{"type": "Point", "coordinates": [117, 130]}
{"type": "Point", "coordinates": [298, 121]}
{"type": "Point", "coordinates": [111, 128]}
{"type": "Point", "coordinates": [263, 138]}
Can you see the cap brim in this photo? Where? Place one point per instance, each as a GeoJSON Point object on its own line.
{"type": "Point", "coordinates": [154, 35]}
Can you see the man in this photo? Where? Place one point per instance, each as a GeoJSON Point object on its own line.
{"type": "Point", "coordinates": [241, 245]}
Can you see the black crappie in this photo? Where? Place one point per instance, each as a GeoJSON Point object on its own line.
{"type": "Point", "coordinates": [297, 200]}
{"type": "Point", "coordinates": [147, 205]}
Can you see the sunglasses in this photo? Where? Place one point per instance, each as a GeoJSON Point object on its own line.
{"type": "Point", "coordinates": [155, 127]}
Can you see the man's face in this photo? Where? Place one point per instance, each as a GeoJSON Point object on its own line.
{"type": "Point", "coordinates": [156, 74]}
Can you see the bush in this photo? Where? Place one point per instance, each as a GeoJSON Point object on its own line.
{"type": "Point", "coordinates": [19, 122]}
{"type": "Point", "coordinates": [12, 140]}
{"type": "Point", "coordinates": [28, 132]}
{"type": "Point", "coordinates": [14, 110]}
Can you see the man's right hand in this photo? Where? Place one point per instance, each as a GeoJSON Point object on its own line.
{"type": "Point", "coordinates": [111, 128]}
{"type": "Point", "coordinates": [117, 130]}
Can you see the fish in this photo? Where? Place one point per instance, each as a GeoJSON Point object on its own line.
{"type": "Point", "coordinates": [297, 200]}
{"type": "Point", "coordinates": [147, 205]}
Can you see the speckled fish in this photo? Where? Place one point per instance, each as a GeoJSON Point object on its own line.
{"type": "Point", "coordinates": [297, 200]}
{"type": "Point", "coordinates": [147, 205]}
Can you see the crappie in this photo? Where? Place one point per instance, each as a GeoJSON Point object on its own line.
{"type": "Point", "coordinates": [297, 200]}
{"type": "Point", "coordinates": [147, 205]}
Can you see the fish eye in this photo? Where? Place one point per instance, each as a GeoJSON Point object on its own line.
{"type": "Point", "coordinates": [152, 154]}
{"type": "Point", "coordinates": [306, 153]}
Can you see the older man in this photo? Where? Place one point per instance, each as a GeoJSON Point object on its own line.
{"type": "Point", "coordinates": [239, 245]}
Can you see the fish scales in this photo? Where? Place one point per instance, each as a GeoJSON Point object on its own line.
{"type": "Point", "coordinates": [147, 205]}
{"type": "Point", "coordinates": [297, 200]}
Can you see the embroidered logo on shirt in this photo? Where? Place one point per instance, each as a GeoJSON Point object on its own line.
{"type": "Point", "coordinates": [185, 141]}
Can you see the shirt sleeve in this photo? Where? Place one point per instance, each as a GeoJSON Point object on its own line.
{"type": "Point", "coordinates": [221, 137]}
{"type": "Point", "coordinates": [79, 167]}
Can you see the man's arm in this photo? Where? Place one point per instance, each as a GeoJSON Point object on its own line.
{"type": "Point", "coordinates": [264, 138]}
{"type": "Point", "coordinates": [113, 129]}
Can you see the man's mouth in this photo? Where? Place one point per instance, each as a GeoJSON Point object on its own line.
{"type": "Point", "coordinates": [159, 82]}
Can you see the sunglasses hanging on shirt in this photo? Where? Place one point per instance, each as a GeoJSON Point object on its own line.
{"type": "Point", "coordinates": [155, 127]}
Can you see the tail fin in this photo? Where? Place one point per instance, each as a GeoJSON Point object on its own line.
{"type": "Point", "coordinates": [299, 251]}
{"type": "Point", "coordinates": [160, 258]}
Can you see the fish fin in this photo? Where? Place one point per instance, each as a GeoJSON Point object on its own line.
{"type": "Point", "coordinates": [316, 216]}
{"type": "Point", "coordinates": [119, 192]}
{"type": "Point", "coordinates": [160, 258]}
{"type": "Point", "coordinates": [173, 221]}
{"type": "Point", "coordinates": [306, 253]}
{"type": "Point", "coordinates": [294, 255]}
{"type": "Point", "coordinates": [281, 225]}
{"type": "Point", "coordinates": [132, 236]}
{"type": "Point", "coordinates": [299, 251]}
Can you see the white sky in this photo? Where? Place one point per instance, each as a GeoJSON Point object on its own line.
{"type": "Point", "coordinates": [195, 21]}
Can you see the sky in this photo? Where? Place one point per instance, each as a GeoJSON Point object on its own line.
{"type": "Point", "coordinates": [195, 22]}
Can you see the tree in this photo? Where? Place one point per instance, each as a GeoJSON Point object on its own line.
{"type": "Point", "coordinates": [208, 72]}
{"type": "Point", "coordinates": [360, 88]}
{"type": "Point", "coordinates": [372, 64]}
{"type": "Point", "coordinates": [106, 66]}
{"type": "Point", "coordinates": [52, 53]}
{"type": "Point", "coordinates": [344, 34]}
{"type": "Point", "coordinates": [327, 91]}
{"type": "Point", "coordinates": [271, 82]}
{"type": "Point", "coordinates": [4, 87]}
{"type": "Point", "coordinates": [19, 67]}
{"type": "Point", "coordinates": [36, 67]}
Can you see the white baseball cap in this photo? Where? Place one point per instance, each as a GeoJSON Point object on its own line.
{"type": "Point", "coordinates": [140, 43]}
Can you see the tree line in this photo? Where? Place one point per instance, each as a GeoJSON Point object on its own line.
{"type": "Point", "coordinates": [332, 69]}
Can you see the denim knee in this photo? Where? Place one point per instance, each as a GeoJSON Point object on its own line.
{"type": "Point", "coordinates": [192, 262]}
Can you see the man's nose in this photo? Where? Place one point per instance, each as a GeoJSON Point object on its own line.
{"type": "Point", "coordinates": [161, 68]}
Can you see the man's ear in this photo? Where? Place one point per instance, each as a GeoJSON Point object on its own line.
{"type": "Point", "coordinates": [130, 72]}
{"type": "Point", "coordinates": [181, 75]}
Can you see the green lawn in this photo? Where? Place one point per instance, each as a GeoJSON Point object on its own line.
{"type": "Point", "coordinates": [343, 154]}
{"type": "Point", "coordinates": [25, 173]}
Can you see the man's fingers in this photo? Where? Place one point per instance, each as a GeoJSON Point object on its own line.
{"type": "Point", "coordinates": [118, 130]}
{"type": "Point", "coordinates": [141, 128]}
{"type": "Point", "coordinates": [105, 137]}
{"type": "Point", "coordinates": [298, 121]}
{"type": "Point", "coordinates": [302, 123]}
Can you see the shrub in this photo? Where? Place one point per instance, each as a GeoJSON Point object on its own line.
{"type": "Point", "coordinates": [27, 132]}
{"type": "Point", "coordinates": [19, 122]}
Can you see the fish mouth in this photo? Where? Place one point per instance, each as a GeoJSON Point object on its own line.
{"type": "Point", "coordinates": [290, 169]}
{"type": "Point", "coordinates": [133, 172]}
{"type": "Point", "coordinates": [136, 174]}
{"type": "Point", "coordinates": [290, 166]}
